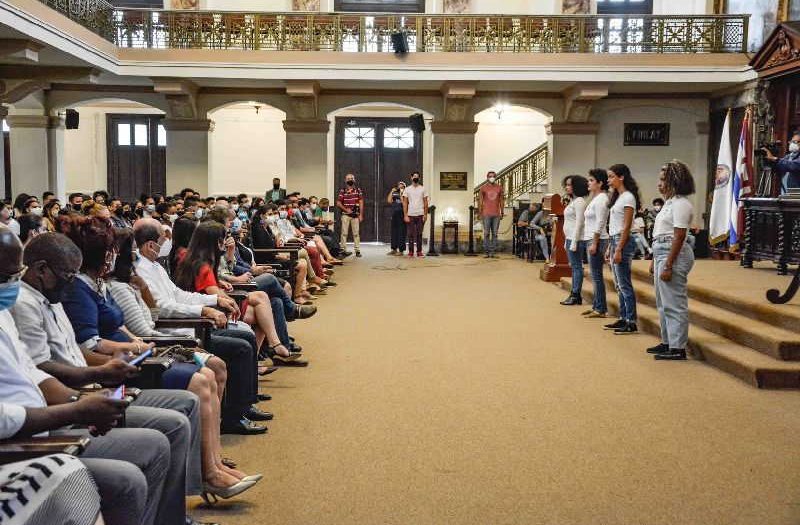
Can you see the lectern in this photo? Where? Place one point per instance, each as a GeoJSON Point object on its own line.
{"type": "Point", "coordinates": [558, 266]}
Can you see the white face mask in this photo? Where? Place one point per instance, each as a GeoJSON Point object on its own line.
{"type": "Point", "coordinates": [235, 207]}
{"type": "Point", "coordinates": [491, 180]}
{"type": "Point", "coordinates": [794, 147]}
{"type": "Point", "coordinates": [313, 206]}
{"type": "Point", "coordinates": [172, 217]}
{"type": "Point", "coordinates": [36, 211]}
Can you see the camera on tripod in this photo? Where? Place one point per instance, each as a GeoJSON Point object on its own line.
{"type": "Point", "coordinates": [772, 147]}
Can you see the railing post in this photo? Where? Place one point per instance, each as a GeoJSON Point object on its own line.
{"type": "Point", "coordinates": [431, 241]}
{"type": "Point", "coordinates": [471, 250]}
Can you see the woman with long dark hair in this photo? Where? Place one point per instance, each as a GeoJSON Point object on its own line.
{"type": "Point", "coordinates": [50, 214]}
{"type": "Point", "coordinates": [576, 189]}
{"type": "Point", "coordinates": [197, 272]}
{"type": "Point", "coordinates": [673, 258]}
{"type": "Point", "coordinates": [596, 236]}
{"type": "Point", "coordinates": [624, 202]}
{"type": "Point", "coordinates": [182, 232]}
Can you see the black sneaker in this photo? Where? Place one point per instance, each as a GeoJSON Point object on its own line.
{"type": "Point", "coordinates": [613, 326]}
{"type": "Point", "coordinates": [660, 348]}
{"type": "Point", "coordinates": [673, 354]}
{"type": "Point", "coordinates": [358, 253]}
{"type": "Point", "coordinates": [629, 328]}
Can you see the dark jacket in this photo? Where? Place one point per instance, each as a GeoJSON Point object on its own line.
{"type": "Point", "coordinates": [281, 195]}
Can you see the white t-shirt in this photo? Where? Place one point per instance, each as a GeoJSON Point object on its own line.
{"type": "Point", "coordinates": [416, 202]}
{"type": "Point", "coordinates": [573, 219]}
{"type": "Point", "coordinates": [596, 216]}
{"type": "Point", "coordinates": [617, 217]}
{"type": "Point", "coordinates": [677, 212]}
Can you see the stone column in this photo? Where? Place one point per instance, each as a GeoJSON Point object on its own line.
{"type": "Point", "coordinates": [572, 150]}
{"type": "Point", "coordinates": [30, 171]}
{"type": "Point", "coordinates": [453, 151]}
{"type": "Point", "coordinates": [187, 154]}
{"type": "Point", "coordinates": [57, 177]}
{"type": "Point", "coordinates": [307, 157]}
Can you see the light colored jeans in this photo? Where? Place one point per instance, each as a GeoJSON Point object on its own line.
{"type": "Point", "coordinates": [672, 298]}
{"type": "Point", "coordinates": [622, 276]}
{"type": "Point", "coordinates": [490, 227]}
{"type": "Point", "coordinates": [354, 223]}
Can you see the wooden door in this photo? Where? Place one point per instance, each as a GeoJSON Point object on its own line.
{"type": "Point", "coordinates": [136, 155]}
{"type": "Point", "coordinates": [379, 152]}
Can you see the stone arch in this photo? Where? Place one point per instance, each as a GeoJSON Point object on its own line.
{"type": "Point", "coordinates": [547, 107]}
{"type": "Point", "coordinates": [60, 100]}
{"type": "Point", "coordinates": [209, 103]}
{"type": "Point", "coordinates": [430, 107]}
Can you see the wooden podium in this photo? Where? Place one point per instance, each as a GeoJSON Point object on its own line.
{"type": "Point", "coordinates": [558, 266]}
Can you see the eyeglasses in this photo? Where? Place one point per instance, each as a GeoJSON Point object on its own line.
{"type": "Point", "coordinates": [10, 278]}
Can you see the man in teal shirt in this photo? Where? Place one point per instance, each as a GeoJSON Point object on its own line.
{"type": "Point", "coordinates": [277, 193]}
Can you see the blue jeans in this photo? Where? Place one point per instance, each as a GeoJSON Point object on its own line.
{"type": "Point", "coordinates": [576, 263]}
{"type": "Point", "coordinates": [672, 298]}
{"type": "Point", "coordinates": [622, 276]}
{"type": "Point", "coordinates": [596, 268]}
{"type": "Point", "coordinates": [270, 285]}
{"type": "Point", "coordinates": [490, 227]}
{"type": "Point", "coordinates": [280, 321]}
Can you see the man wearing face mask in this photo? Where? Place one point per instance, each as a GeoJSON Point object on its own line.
{"type": "Point", "coordinates": [118, 214]}
{"type": "Point", "coordinates": [351, 202]}
{"type": "Point", "coordinates": [787, 167]}
{"type": "Point", "coordinates": [276, 194]}
{"type": "Point", "coordinates": [7, 220]}
{"type": "Point", "coordinates": [76, 201]}
{"type": "Point", "coordinates": [415, 213]}
{"type": "Point", "coordinates": [490, 210]}
{"type": "Point", "coordinates": [650, 217]}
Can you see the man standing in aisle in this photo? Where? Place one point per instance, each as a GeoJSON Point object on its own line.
{"type": "Point", "coordinates": [351, 202]}
{"type": "Point", "coordinates": [415, 211]}
{"type": "Point", "coordinates": [276, 194]}
{"type": "Point", "coordinates": [490, 210]}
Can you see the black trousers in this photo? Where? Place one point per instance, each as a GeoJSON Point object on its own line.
{"type": "Point", "coordinates": [415, 233]}
{"type": "Point", "coordinates": [238, 349]}
{"type": "Point", "coordinates": [398, 231]}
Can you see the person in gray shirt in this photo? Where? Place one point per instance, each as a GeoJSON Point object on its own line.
{"type": "Point", "coordinates": [535, 220]}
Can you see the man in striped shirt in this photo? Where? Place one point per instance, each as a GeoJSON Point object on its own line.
{"type": "Point", "coordinates": [351, 202]}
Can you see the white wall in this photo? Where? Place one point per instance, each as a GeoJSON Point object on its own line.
{"type": "Point", "coordinates": [645, 161]}
{"type": "Point", "coordinates": [246, 150]}
{"type": "Point", "coordinates": [502, 140]}
{"type": "Point", "coordinates": [85, 159]}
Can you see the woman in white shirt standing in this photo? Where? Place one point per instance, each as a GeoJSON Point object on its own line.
{"type": "Point", "coordinates": [624, 202]}
{"type": "Point", "coordinates": [673, 258]}
{"type": "Point", "coordinates": [595, 235]}
{"type": "Point", "coordinates": [577, 188]}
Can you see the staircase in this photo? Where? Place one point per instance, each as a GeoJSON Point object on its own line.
{"type": "Point", "coordinates": [748, 339]}
{"type": "Point", "coordinates": [521, 176]}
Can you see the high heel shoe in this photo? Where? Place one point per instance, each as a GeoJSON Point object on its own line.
{"type": "Point", "coordinates": [211, 494]}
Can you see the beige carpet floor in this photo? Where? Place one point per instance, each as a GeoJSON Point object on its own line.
{"type": "Point", "coordinates": [458, 391]}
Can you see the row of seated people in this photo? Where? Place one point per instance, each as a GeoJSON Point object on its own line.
{"type": "Point", "coordinates": [81, 307]}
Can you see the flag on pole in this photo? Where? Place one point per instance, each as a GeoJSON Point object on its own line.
{"type": "Point", "coordinates": [720, 221]}
{"type": "Point", "coordinates": [742, 183]}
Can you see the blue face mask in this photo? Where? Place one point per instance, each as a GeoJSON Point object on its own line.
{"type": "Point", "coordinates": [283, 214]}
{"type": "Point", "coordinates": [8, 295]}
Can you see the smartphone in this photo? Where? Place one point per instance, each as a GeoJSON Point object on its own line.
{"type": "Point", "coordinates": [141, 357]}
{"type": "Point", "coordinates": [118, 393]}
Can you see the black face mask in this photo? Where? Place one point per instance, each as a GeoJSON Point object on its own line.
{"type": "Point", "coordinates": [276, 185]}
{"type": "Point", "coordinates": [351, 182]}
{"type": "Point", "coordinates": [76, 207]}
{"type": "Point", "coordinates": [415, 180]}
{"type": "Point", "coordinates": [118, 212]}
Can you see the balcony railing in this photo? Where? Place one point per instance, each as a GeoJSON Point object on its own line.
{"type": "Point", "coordinates": [368, 33]}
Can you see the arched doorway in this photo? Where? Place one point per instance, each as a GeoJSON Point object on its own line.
{"type": "Point", "coordinates": [506, 133]}
{"type": "Point", "coordinates": [377, 143]}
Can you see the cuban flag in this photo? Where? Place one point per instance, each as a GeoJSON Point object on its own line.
{"type": "Point", "coordinates": [741, 183]}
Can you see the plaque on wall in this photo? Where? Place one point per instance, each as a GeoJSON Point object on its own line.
{"type": "Point", "coordinates": [453, 180]}
{"type": "Point", "coordinates": [641, 134]}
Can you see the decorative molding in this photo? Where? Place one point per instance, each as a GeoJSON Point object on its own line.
{"type": "Point", "coordinates": [28, 121]}
{"type": "Point", "coordinates": [454, 127]}
{"type": "Point", "coordinates": [572, 128]}
{"type": "Point", "coordinates": [305, 5]}
{"type": "Point", "coordinates": [306, 126]}
{"type": "Point", "coordinates": [20, 49]}
{"type": "Point", "coordinates": [455, 7]}
{"type": "Point", "coordinates": [579, 99]}
{"type": "Point", "coordinates": [173, 124]}
{"type": "Point", "coordinates": [785, 52]}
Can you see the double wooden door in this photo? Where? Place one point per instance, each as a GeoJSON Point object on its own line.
{"type": "Point", "coordinates": [380, 152]}
{"type": "Point", "coordinates": [137, 155]}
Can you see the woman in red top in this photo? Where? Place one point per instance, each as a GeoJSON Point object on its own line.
{"type": "Point", "coordinates": [197, 272]}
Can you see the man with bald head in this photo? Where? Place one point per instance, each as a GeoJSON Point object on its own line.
{"type": "Point", "coordinates": [52, 263]}
{"type": "Point", "coordinates": [236, 347]}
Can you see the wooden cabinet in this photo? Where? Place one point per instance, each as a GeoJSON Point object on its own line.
{"type": "Point", "coordinates": [772, 231]}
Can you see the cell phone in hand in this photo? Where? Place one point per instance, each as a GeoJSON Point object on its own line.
{"type": "Point", "coordinates": [141, 357]}
{"type": "Point", "coordinates": [118, 393]}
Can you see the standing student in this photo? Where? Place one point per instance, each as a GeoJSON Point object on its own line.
{"type": "Point", "coordinates": [415, 213]}
{"type": "Point", "coordinates": [276, 194]}
{"type": "Point", "coordinates": [576, 188]}
{"type": "Point", "coordinates": [624, 202]}
{"type": "Point", "coordinates": [490, 211]}
{"type": "Point", "coordinates": [673, 258]}
{"type": "Point", "coordinates": [395, 199]}
{"type": "Point", "coordinates": [595, 234]}
{"type": "Point", "coordinates": [351, 202]}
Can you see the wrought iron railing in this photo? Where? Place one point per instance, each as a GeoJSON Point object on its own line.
{"type": "Point", "coordinates": [521, 176]}
{"type": "Point", "coordinates": [365, 32]}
